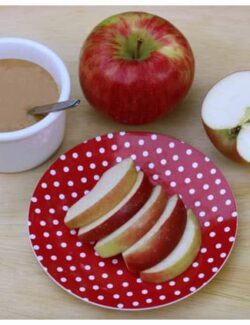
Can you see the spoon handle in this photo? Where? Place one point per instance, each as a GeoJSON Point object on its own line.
{"type": "Point", "coordinates": [55, 107]}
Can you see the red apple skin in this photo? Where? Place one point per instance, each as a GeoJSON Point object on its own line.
{"type": "Point", "coordinates": [225, 143]}
{"type": "Point", "coordinates": [135, 91]}
{"type": "Point", "coordinates": [161, 244]}
{"type": "Point", "coordinates": [121, 216]}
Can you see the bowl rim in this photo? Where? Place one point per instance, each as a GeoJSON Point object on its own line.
{"type": "Point", "coordinates": [64, 93]}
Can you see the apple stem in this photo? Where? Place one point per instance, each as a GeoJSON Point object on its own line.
{"type": "Point", "coordinates": [138, 48]}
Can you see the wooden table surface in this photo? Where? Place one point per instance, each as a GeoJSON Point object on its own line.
{"type": "Point", "coordinates": [218, 38]}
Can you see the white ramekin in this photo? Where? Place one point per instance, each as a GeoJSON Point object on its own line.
{"type": "Point", "coordinates": [26, 148]}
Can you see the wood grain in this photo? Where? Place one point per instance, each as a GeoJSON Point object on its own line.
{"type": "Point", "coordinates": [218, 38]}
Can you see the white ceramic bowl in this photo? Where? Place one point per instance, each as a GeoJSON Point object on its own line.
{"type": "Point", "coordinates": [26, 148]}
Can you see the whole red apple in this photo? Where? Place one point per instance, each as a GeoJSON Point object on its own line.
{"type": "Point", "coordinates": [135, 67]}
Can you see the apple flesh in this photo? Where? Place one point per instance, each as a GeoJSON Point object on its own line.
{"type": "Point", "coordinates": [181, 257]}
{"type": "Point", "coordinates": [130, 232]}
{"type": "Point", "coordinates": [226, 116]}
{"type": "Point", "coordinates": [135, 67]}
{"type": "Point", "coordinates": [111, 188]}
{"type": "Point", "coordinates": [120, 214]}
{"type": "Point", "coordinates": [160, 240]}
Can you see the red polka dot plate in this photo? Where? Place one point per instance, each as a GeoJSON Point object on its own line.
{"type": "Point", "coordinates": [177, 166]}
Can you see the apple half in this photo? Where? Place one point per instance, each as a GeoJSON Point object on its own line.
{"type": "Point", "coordinates": [226, 116]}
{"type": "Point", "coordinates": [181, 257]}
{"type": "Point", "coordinates": [131, 231]}
{"type": "Point", "coordinates": [160, 240]}
{"type": "Point", "coordinates": [120, 214]}
{"type": "Point", "coordinates": [111, 188]}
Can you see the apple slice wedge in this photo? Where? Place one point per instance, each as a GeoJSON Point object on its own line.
{"type": "Point", "coordinates": [181, 257]}
{"type": "Point", "coordinates": [160, 240]}
{"type": "Point", "coordinates": [226, 116]}
{"type": "Point", "coordinates": [111, 188]}
{"type": "Point", "coordinates": [131, 231]}
{"type": "Point", "coordinates": [121, 213]}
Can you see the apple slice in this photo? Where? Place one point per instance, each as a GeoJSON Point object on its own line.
{"type": "Point", "coordinates": [160, 240]}
{"type": "Point", "coordinates": [111, 188]}
{"type": "Point", "coordinates": [130, 232]}
{"type": "Point", "coordinates": [121, 213]}
{"type": "Point", "coordinates": [226, 116]}
{"type": "Point", "coordinates": [181, 257]}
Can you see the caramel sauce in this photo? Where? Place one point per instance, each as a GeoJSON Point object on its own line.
{"type": "Point", "coordinates": [23, 85]}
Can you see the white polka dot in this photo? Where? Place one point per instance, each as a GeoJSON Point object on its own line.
{"type": "Point", "coordinates": [80, 168]}
{"type": "Point", "coordinates": [92, 166]}
{"type": "Point", "coordinates": [171, 145]}
{"type": "Point", "coordinates": [175, 157]}
{"type": "Point", "coordinates": [114, 261]}
{"type": "Point", "coordinates": [86, 192]}
{"type": "Point", "coordinates": [218, 246]}
{"type": "Point", "coordinates": [95, 287]}
{"type": "Point", "coordinates": [159, 150]}
{"type": "Point", "coordinates": [197, 203]}
{"type": "Point", "coordinates": [203, 250]}
{"type": "Point", "coordinates": [187, 180]}
{"type": "Point", "coordinates": [42, 223]}
{"type": "Point", "coordinates": [72, 268]}
{"type": "Point", "coordinates": [53, 257]}
{"type": "Point", "coordinates": [62, 157]}
{"type": "Point", "coordinates": [186, 279]}
{"type": "Point", "coordinates": [100, 297]}
{"type": "Point", "coordinates": [215, 269]}
{"type": "Point", "coordinates": [120, 306]}
{"type": "Point", "coordinates": [91, 277]}
{"type": "Point", "coordinates": [79, 244]}
{"type": "Point", "coordinates": [135, 303]}
{"type": "Point", "coordinates": [56, 184]}
{"type": "Point", "coordinates": [40, 258]}
{"type": "Point", "coordinates": [194, 164]}
{"type": "Point", "coordinates": [44, 185]}
{"type": "Point", "coordinates": [231, 239]}
{"type": "Point", "coordinates": [49, 246]}
{"type": "Point", "coordinates": [63, 279]}
{"type": "Point", "coordinates": [74, 194]}
{"type": "Point", "coordinates": [153, 136]}
{"type": "Point", "coordinates": [37, 211]}
{"type": "Point", "coordinates": [139, 280]}
{"type": "Point", "coordinates": [141, 142]}
{"type": "Point", "coordinates": [188, 152]}
{"type": "Point", "coordinates": [110, 135]}
{"type": "Point", "coordinates": [162, 297]}
{"type": "Point", "coordinates": [118, 159]}
{"type": "Point", "coordinates": [59, 269]}
{"type": "Point", "coordinates": [87, 267]}
{"type": "Point", "coordinates": [228, 202]}
{"type": "Point", "coordinates": [199, 175]}
{"type": "Point", "coordinates": [213, 171]}
{"type": "Point", "coordinates": [210, 197]}
{"type": "Point", "coordinates": [177, 292]}
{"type": "Point", "coordinates": [105, 163]}
{"type": "Point", "coordinates": [163, 162]}
{"type": "Point", "coordinates": [73, 232]}
{"type": "Point", "coordinates": [192, 289]}
{"type": "Point", "coordinates": [191, 191]}
{"type": "Point", "coordinates": [34, 199]}
{"type": "Point", "coordinates": [82, 289]}
{"type": "Point", "coordinates": [227, 229]}
{"type": "Point", "coordinates": [59, 233]}
{"type": "Point", "coordinates": [119, 272]}
{"type": "Point", "coordinates": [129, 293]}
{"type": "Point", "coordinates": [127, 144]}
{"type": "Point", "coordinates": [180, 169]}
{"type": "Point", "coordinates": [144, 291]}
{"type": "Point", "coordinates": [218, 181]}
{"type": "Point", "coordinates": [70, 183]}
{"type": "Point", "coordinates": [149, 300]}
{"type": "Point", "coordinates": [173, 184]}
{"type": "Point", "coordinates": [168, 172]}
{"type": "Point", "coordinates": [47, 197]}
{"type": "Point", "coordinates": [52, 211]}
{"type": "Point", "coordinates": [155, 177]}
{"type": "Point", "coordinates": [84, 180]}
{"type": "Point", "coordinates": [96, 177]}
{"type": "Point", "coordinates": [69, 258]}
{"type": "Point", "coordinates": [105, 275]}
{"type": "Point", "coordinates": [63, 244]}
{"type": "Point", "coordinates": [82, 254]}
{"type": "Point", "coordinates": [116, 296]}
{"type": "Point", "coordinates": [151, 165]}
{"type": "Point", "coordinates": [101, 264]}
{"type": "Point", "coordinates": [205, 187]}
{"type": "Point", "coordinates": [46, 234]}
{"type": "Point", "coordinates": [66, 169]}
{"type": "Point", "coordinates": [98, 138]}
{"type": "Point", "coordinates": [222, 191]}
{"type": "Point", "coordinates": [32, 236]}
{"type": "Point", "coordinates": [78, 279]}
{"type": "Point", "coordinates": [36, 247]}
{"type": "Point", "coordinates": [210, 260]}
{"type": "Point", "coordinates": [122, 133]}
{"type": "Point", "coordinates": [223, 255]}
{"type": "Point", "coordinates": [234, 214]}
{"type": "Point", "coordinates": [89, 154]}
{"type": "Point", "coordinates": [145, 153]}
{"type": "Point", "coordinates": [212, 234]}
{"type": "Point", "coordinates": [125, 284]}
{"type": "Point", "coordinates": [172, 283]}
{"type": "Point", "coordinates": [55, 222]}
{"type": "Point", "coordinates": [207, 159]}
{"type": "Point", "coordinates": [202, 214]}
{"type": "Point", "coordinates": [133, 156]}
{"type": "Point", "coordinates": [207, 224]}
{"type": "Point", "coordinates": [61, 196]}
{"type": "Point", "coordinates": [110, 285]}
{"type": "Point", "coordinates": [195, 264]}
{"type": "Point", "coordinates": [214, 209]}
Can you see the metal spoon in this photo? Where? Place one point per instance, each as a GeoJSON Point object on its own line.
{"type": "Point", "coordinates": [55, 107]}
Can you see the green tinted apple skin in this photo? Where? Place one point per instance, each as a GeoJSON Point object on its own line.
{"type": "Point", "coordinates": [135, 67]}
